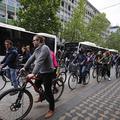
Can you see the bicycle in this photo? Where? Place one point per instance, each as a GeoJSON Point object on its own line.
{"type": "Point", "coordinates": [94, 71]}
{"type": "Point", "coordinates": [63, 71]}
{"type": "Point", "coordinates": [118, 71]}
{"type": "Point", "coordinates": [4, 79]}
{"type": "Point", "coordinates": [18, 106]}
{"type": "Point", "coordinates": [99, 73]}
{"type": "Point", "coordinates": [74, 77]}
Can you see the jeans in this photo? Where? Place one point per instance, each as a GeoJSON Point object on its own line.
{"type": "Point", "coordinates": [12, 75]}
{"type": "Point", "coordinates": [82, 72]}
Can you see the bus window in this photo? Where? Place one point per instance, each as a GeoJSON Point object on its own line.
{"type": "Point", "coordinates": [20, 37]}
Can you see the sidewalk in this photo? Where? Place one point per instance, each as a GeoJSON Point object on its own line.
{"type": "Point", "coordinates": [101, 102]}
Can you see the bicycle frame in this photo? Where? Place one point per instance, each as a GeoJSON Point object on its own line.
{"type": "Point", "coordinates": [29, 80]}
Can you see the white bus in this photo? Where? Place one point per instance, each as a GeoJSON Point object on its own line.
{"type": "Point", "coordinates": [51, 41]}
{"type": "Point", "coordinates": [21, 37]}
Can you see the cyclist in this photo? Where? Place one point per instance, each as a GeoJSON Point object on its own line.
{"type": "Point", "coordinates": [43, 68]}
{"type": "Point", "coordinates": [55, 63]}
{"type": "Point", "coordinates": [10, 61]}
{"type": "Point", "coordinates": [106, 62]}
{"type": "Point", "coordinates": [81, 59]}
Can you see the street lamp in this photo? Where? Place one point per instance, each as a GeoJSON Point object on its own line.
{"type": "Point", "coordinates": [6, 14]}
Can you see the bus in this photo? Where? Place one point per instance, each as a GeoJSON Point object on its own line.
{"type": "Point", "coordinates": [50, 40]}
{"type": "Point", "coordinates": [21, 37]}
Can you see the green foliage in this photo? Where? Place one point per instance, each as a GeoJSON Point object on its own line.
{"type": "Point", "coordinates": [96, 27]}
{"type": "Point", "coordinates": [74, 29]}
{"type": "Point", "coordinates": [39, 15]}
{"type": "Point", "coordinates": [77, 30]}
{"type": "Point", "coordinates": [114, 40]}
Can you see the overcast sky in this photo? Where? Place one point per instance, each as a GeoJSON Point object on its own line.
{"type": "Point", "coordinates": [110, 7]}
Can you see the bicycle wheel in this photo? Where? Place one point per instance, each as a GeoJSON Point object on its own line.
{"type": "Point", "coordinates": [63, 76]}
{"type": "Point", "coordinates": [57, 88]}
{"type": "Point", "coordinates": [2, 82]}
{"type": "Point", "coordinates": [87, 78]}
{"type": "Point", "coordinates": [72, 81]}
{"type": "Point", "coordinates": [94, 73]}
{"type": "Point", "coordinates": [118, 72]}
{"type": "Point", "coordinates": [99, 77]}
{"type": "Point", "coordinates": [15, 106]}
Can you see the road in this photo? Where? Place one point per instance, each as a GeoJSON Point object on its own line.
{"type": "Point", "coordinates": [91, 102]}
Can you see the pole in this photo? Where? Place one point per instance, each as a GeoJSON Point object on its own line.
{"type": "Point", "coordinates": [15, 5]}
{"type": "Point", "coordinates": [6, 14]}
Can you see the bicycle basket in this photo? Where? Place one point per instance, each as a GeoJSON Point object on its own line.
{"type": "Point", "coordinates": [73, 67]}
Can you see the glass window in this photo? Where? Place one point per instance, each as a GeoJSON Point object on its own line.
{"type": "Point", "coordinates": [62, 3]}
{"type": "Point", "coordinates": [69, 7]}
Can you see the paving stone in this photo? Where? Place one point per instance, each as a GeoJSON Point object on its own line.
{"type": "Point", "coordinates": [104, 105]}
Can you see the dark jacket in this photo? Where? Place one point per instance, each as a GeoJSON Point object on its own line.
{"type": "Point", "coordinates": [81, 59]}
{"type": "Point", "coordinates": [10, 58]}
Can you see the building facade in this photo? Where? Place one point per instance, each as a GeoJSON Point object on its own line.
{"type": "Point", "coordinates": [114, 29]}
{"type": "Point", "coordinates": [66, 10]}
{"type": "Point", "coordinates": [8, 10]}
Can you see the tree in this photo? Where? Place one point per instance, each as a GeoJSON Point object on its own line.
{"type": "Point", "coordinates": [74, 29]}
{"type": "Point", "coordinates": [114, 40]}
{"type": "Point", "coordinates": [96, 27]}
{"type": "Point", "coordinates": [39, 15]}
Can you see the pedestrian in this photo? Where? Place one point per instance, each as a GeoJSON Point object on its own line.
{"type": "Point", "coordinates": [43, 69]}
{"type": "Point", "coordinates": [10, 61]}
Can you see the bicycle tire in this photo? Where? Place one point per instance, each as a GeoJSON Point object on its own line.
{"type": "Point", "coordinates": [63, 76]}
{"type": "Point", "coordinates": [9, 110]}
{"type": "Point", "coordinates": [87, 78]}
{"type": "Point", "coordinates": [73, 79]}
{"type": "Point", "coordinates": [99, 77]}
{"type": "Point", "coordinates": [118, 72]}
{"type": "Point", "coordinates": [58, 85]}
{"type": "Point", "coordinates": [2, 82]}
{"type": "Point", "coordinates": [94, 73]}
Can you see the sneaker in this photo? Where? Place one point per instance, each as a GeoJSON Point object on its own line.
{"type": "Point", "coordinates": [49, 114]}
{"type": "Point", "coordinates": [109, 79]}
{"type": "Point", "coordinates": [13, 93]}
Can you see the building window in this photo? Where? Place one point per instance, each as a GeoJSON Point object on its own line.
{"type": "Point", "coordinates": [69, 8]}
{"type": "Point", "coordinates": [62, 3]}
{"type": "Point", "coordinates": [72, 1]}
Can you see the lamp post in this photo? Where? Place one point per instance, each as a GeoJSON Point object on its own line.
{"type": "Point", "coordinates": [6, 14]}
{"type": "Point", "coordinates": [15, 5]}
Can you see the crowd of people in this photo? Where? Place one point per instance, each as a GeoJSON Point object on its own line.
{"type": "Point", "coordinates": [46, 64]}
{"type": "Point", "coordinates": [86, 58]}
